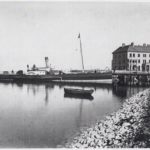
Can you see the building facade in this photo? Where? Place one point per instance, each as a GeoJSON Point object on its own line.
{"type": "Point", "coordinates": [132, 58]}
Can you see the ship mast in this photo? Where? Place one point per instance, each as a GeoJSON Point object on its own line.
{"type": "Point", "coordinates": [79, 37]}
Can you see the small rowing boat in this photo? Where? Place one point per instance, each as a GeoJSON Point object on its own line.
{"type": "Point", "coordinates": [78, 91]}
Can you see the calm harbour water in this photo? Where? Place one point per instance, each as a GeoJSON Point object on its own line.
{"type": "Point", "coordinates": [38, 115]}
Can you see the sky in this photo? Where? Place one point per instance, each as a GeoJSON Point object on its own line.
{"type": "Point", "coordinates": [29, 31]}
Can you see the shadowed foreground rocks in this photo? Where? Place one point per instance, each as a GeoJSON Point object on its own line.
{"type": "Point", "coordinates": [129, 127]}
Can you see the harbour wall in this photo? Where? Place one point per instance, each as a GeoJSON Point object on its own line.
{"type": "Point", "coordinates": [82, 79]}
{"type": "Point", "coordinates": [129, 127]}
{"type": "Point", "coordinates": [49, 78]}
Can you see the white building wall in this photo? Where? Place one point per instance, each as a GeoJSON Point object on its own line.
{"type": "Point", "coordinates": [134, 60]}
{"type": "Point", "coordinates": [36, 73]}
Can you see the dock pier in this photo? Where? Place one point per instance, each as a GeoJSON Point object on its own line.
{"type": "Point", "coordinates": [131, 78]}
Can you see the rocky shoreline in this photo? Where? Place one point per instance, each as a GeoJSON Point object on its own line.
{"type": "Point", "coordinates": [129, 127]}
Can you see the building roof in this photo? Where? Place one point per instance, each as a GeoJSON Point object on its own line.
{"type": "Point", "coordinates": [133, 48]}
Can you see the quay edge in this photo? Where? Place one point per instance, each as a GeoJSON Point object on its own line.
{"type": "Point", "coordinates": [49, 78]}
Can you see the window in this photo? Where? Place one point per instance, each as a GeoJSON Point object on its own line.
{"type": "Point", "coordinates": [139, 61]}
{"type": "Point", "coordinates": [133, 68]}
{"type": "Point", "coordinates": [133, 55]}
{"type": "Point", "coordinates": [149, 61]}
{"type": "Point", "coordinates": [144, 55]}
{"type": "Point", "coordinates": [130, 55]}
{"type": "Point", "coordinates": [144, 61]}
{"type": "Point", "coordinates": [149, 55]}
{"type": "Point", "coordinates": [139, 68]}
{"type": "Point", "coordinates": [138, 55]}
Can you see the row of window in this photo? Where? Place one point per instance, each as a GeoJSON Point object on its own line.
{"type": "Point", "coordinates": [133, 55]}
{"type": "Point", "coordinates": [137, 68]}
{"type": "Point", "coordinates": [131, 61]}
{"type": "Point", "coordinates": [138, 61]}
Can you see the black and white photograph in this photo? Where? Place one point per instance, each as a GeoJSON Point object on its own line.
{"type": "Point", "coordinates": [74, 74]}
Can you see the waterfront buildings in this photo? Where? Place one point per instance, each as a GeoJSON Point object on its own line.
{"type": "Point", "coordinates": [132, 58]}
{"type": "Point", "coordinates": [39, 70]}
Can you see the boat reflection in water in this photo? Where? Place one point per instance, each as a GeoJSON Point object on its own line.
{"type": "Point", "coordinates": [77, 96]}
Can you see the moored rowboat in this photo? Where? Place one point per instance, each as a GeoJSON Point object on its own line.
{"type": "Point", "coordinates": [78, 91]}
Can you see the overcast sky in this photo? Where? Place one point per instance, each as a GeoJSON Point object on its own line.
{"type": "Point", "coordinates": [29, 31]}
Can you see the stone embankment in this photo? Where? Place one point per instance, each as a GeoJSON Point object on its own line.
{"type": "Point", "coordinates": [129, 127]}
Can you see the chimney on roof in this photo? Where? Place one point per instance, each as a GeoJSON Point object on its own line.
{"type": "Point", "coordinates": [123, 44]}
{"type": "Point", "coordinates": [132, 44]}
{"type": "Point", "coordinates": [144, 45]}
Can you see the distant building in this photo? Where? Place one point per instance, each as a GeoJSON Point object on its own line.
{"type": "Point", "coordinates": [5, 72]}
{"type": "Point", "coordinates": [132, 58]}
{"type": "Point", "coordinates": [36, 72]}
{"type": "Point", "coordinates": [47, 70]}
{"type": "Point", "coordinates": [39, 70]}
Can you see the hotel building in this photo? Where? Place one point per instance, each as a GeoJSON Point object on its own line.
{"type": "Point", "coordinates": [132, 58]}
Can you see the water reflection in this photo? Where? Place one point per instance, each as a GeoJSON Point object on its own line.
{"type": "Point", "coordinates": [79, 119]}
{"type": "Point", "coordinates": [119, 91]}
{"type": "Point", "coordinates": [88, 97]}
{"type": "Point", "coordinates": [40, 115]}
{"type": "Point", "coordinates": [35, 89]}
{"type": "Point", "coordinates": [125, 92]}
{"type": "Point", "coordinates": [46, 95]}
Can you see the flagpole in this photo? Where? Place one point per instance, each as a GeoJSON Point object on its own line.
{"type": "Point", "coordinates": [81, 52]}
